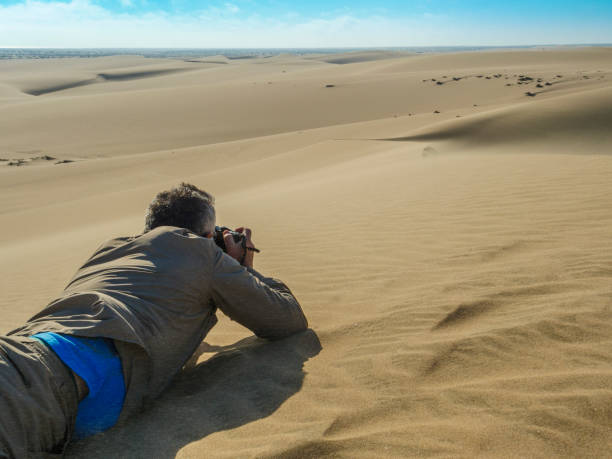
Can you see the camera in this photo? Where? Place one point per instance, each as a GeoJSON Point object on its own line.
{"type": "Point", "coordinates": [238, 237]}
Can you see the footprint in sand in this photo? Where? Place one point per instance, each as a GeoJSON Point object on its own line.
{"type": "Point", "coordinates": [429, 151]}
{"type": "Point", "coordinates": [465, 312]}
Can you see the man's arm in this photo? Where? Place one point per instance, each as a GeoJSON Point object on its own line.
{"type": "Point", "coordinates": [262, 304]}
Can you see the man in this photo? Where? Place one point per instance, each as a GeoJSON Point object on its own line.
{"type": "Point", "coordinates": [127, 322]}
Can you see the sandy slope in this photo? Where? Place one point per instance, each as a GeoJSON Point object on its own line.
{"type": "Point", "coordinates": [455, 267]}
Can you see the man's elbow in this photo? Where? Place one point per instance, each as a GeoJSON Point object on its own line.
{"type": "Point", "coordinates": [300, 326]}
{"type": "Point", "coordinates": [284, 332]}
{"type": "Point", "coordinates": [297, 322]}
{"type": "Point", "coordinates": [301, 322]}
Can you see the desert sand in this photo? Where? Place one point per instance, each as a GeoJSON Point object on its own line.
{"type": "Point", "coordinates": [444, 219]}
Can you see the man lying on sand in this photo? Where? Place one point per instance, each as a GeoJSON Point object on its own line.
{"type": "Point", "coordinates": [127, 322]}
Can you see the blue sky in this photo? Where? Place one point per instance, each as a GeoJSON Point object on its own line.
{"type": "Point", "coordinates": [277, 23]}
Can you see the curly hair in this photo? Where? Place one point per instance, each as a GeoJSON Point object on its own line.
{"type": "Point", "coordinates": [185, 206]}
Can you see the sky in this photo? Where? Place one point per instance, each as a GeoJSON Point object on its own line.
{"type": "Point", "coordinates": [309, 24]}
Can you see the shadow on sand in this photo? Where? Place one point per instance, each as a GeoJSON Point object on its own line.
{"type": "Point", "coordinates": [243, 382]}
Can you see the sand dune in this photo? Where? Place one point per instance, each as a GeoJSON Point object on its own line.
{"type": "Point", "coordinates": [229, 102]}
{"type": "Point", "coordinates": [354, 57]}
{"type": "Point", "coordinates": [456, 279]}
{"type": "Point", "coordinates": [576, 123]}
{"type": "Point", "coordinates": [130, 74]}
{"type": "Point", "coordinates": [33, 75]}
{"type": "Point", "coordinates": [581, 59]}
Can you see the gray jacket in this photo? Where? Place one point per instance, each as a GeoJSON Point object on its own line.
{"type": "Point", "coordinates": [156, 295]}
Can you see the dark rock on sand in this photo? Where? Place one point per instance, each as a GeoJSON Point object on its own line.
{"type": "Point", "coordinates": [44, 158]}
{"type": "Point", "coordinates": [428, 151]}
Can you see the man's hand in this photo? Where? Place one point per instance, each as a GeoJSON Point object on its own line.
{"type": "Point", "coordinates": [235, 250]}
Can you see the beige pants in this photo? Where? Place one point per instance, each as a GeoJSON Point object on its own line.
{"type": "Point", "coordinates": [38, 400]}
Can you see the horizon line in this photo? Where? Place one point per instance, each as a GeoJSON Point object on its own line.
{"type": "Point", "coordinates": [310, 47]}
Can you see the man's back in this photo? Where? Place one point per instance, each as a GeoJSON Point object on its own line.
{"type": "Point", "coordinates": [156, 296]}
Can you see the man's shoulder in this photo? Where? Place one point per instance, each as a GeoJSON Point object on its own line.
{"type": "Point", "coordinates": [166, 246]}
{"type": "Point", "coordinates": [163, 238]}
{"type": "Point", "coordinates": [114, 243]}
{"type": "Point", "coordinates": [156, 233]}
{"type": "Point", "coordinates": [171, 234]}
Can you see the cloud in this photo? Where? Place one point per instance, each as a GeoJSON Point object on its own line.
{"type": "Point", "coordinates": [231, 8]}
{"type": "Point", "coordinates": [83, 23]}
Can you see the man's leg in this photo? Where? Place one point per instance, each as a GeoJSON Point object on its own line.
{"type": "Point", "coordinates": [38, 399]}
